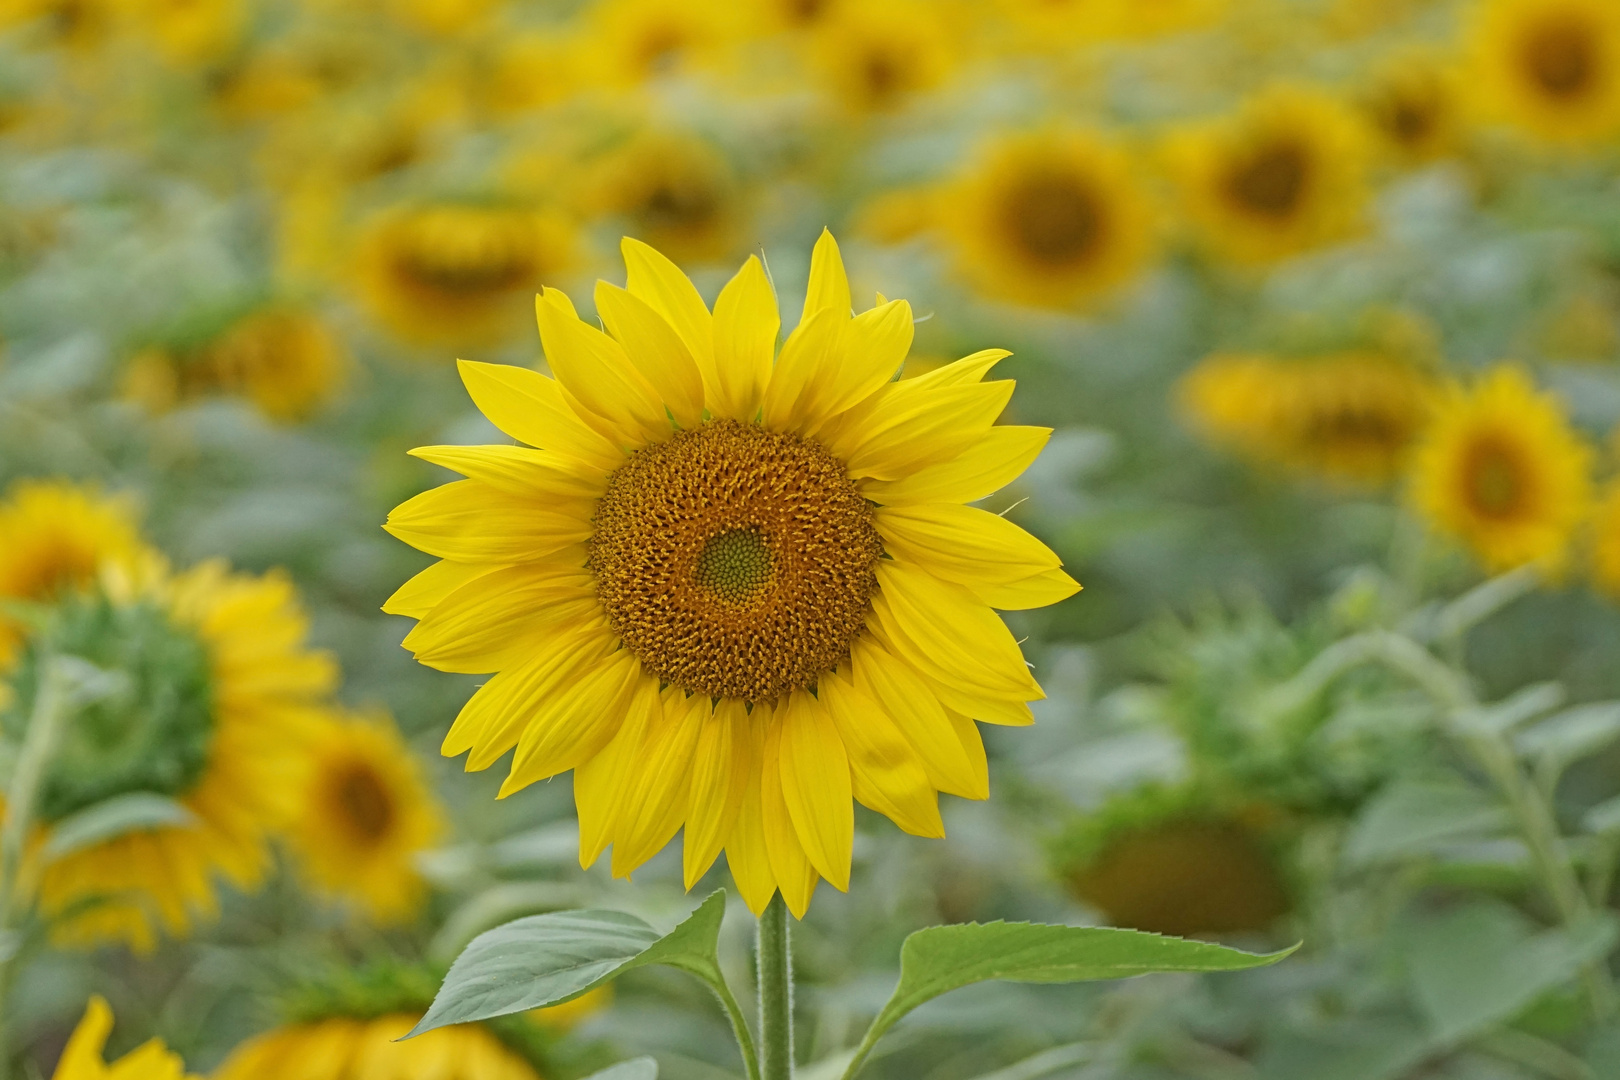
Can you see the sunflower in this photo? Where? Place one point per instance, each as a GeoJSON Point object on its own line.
{"type": "Point", "coordinates": [79, 26]}
{"type": "Point", "coordinates": [873, 57]}
{"type": "Point", "coordinates": [1551, 68]}
{"type": "Point", "coordinates": [343, 1047]}
{"type": "Point", "coordinates": [363, 812]}
{"type": "Point", "coordinates": [639, 40]}
{"type": "Point", "coordinates": [57, 538]}
{"type": "Point", "coordinates": [441, 18]}
{"type": "Point", "coordinates": [1156, 18]}
{"type": "Point", "coordinates": [675, 189]}
{"type": "Point", "coordinates": [1415, 106]}
{"type": "Point", "coordinates": [1351, 416]}
{"type": "Point", "coordinates": [531, 70]}
{"type": "Point", "coordinates": [1050, 219]}
{"type": "Point", "coordinates": [1606, 541]}
{"type": "Point", "coordinates": [1284, 175]}
{"type": "Point", "coordinates": [1501, 470]}
{"type": "Point", "coordinates": [189, 33]}
{"type": "Point", "coordinates": [222, 687]}
{"type": "Point", "coordinates": [458, 272]}
{"type": "Point", "coordinates": [81, 1058]}
{"type": "Point", "coordinates": [730, 592]}
{"type": "Point", "coordinates": [286, 361]}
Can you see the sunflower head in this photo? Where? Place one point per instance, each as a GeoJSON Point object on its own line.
{"type": "Point", "coordinates": [640, 40]}
{"type": "Point", "coordinates": [81, 1059]}
{"type": "Point", "coordinates": [1501, 470]}
{"type": "Point", "coordinates": [189, 33]}
{"type": "Point", "coordinates": [873, 58]}
{"type": "Point", "coordinates": [1551, 68]}
{"type": "Point", "coordinates": [1606, 542]}
{"type": "Point", "coordinates": [458, 271]}
{"type": "Point", "coordinates": [717, 582]}
{"type": "Point", "coordinates": [1415, 105]}
{"type": "Point", "coordinates": [531, 70]}
{"type": "Point", "coordinates": [1051, 219]}
{"type": "Point", "coordinates": [286, 361]}
{"type": "Point", "coordinates": [678, 190]}
{"type": "Point", "coordinates": [1284, 175]}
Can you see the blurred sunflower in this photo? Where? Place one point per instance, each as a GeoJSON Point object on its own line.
{"type": "Point", "coordinates": [794, 14]}
{"type": "Point", "coordinates": [1286, 174]}
{"type": "Point", "coordinates": [1155, 18]}
{"type": "Point", "coordinates": [81, 1058]}
{"type": "Point", "coordinates": [531, 69]}
{"type": "Point", "coordinates": [677, 190]}
{"type": "Point", "coordinates": [362, 813]}
{"type": "Point", "coordinates": [1176, 863]}
{"type": "Point", "coordinates": [873, 57]}
{"type": "Point", "coordinates": [79, 26]}
{"type": "Point", "coordinates": [1551, 68]}
{"type": "Point", "coordinates": [57, 538]}
{"type": "Point", "coordinates": [638, 40]}
{"type": "Point", "coordinates": [1501, 469]}
{"type": "Point", "coordinates": [1051, 219]}
{"type": "Point", "coordinates": [699, 546]}
{"type": "Point", "coordinates": [454, 272]}
{"type": "Point", "coordinates": [342, 1048]}
{"type": "Point", "coordinates": [189, 33]}
{"type": "Point", "coordinates": [442, 18]}
{"type": "Point", "coordinates": [1351, 416]}
{"type": "Point", "coordinates": [1415, 105]}
{"type": "Point", "coordinates": [221, 685]}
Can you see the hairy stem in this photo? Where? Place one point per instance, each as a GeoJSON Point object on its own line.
{"type": "Point", "coordinates": [775, 993]}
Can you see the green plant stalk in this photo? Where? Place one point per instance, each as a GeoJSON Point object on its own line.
{"type": "Point", "coordinates": [739, 1028]}
{"type": "Point", "coordinates": [775, 993]}
{"type": "Point", "coordinates": [51, 707]}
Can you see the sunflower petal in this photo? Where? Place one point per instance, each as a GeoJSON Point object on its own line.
{"type": "Point", "coordinates": [829, 285]}
{"type": "Point", "coordinates": [653, 278]}
{"type": "Point", "coordinates": [915, 710]}
{"type": "Point", "coordinates": [746, 854]}
{"type": "Point", "coordinates": [964, 372]}
{"type": "Point", "coordinates": [914, 428]}
{"type": "Point", "coordinates": [520, 471]}
{"type": "Point", "coordinates": [1038, 590]}
{"type": "Point", "coordinates": [875, 344]}
{"type": "Point", "coordinates": [657, 801]}
{"type": "Point", "coordinates": [962, 543]}
{"type": "Point", "coordinates": [499, 619]}
{"type": "Point", "coordinates": [602, 783]}
{"type": "Point", "coordinates": [655, 350]}
{"type": "Point", "coordinates": [972, 743]}
{"type": "Point", "coordinates": [793, 394]}
{"type": "Point", "coordinates": [418, 596]}
{"type": "Point", "coordinates": [531, 408]}
{"type": "Point", "coordinates": [816, 786]}
{"type": "Point", "coordinates": [794, 874]}
{"type": "Point", "coordinates": [574, 723]}
{"type": "Point", "coordinates": [720, 766]}
{"type": "Point", "coordinates": [469, 521]}
{"type": "Point", "coordinates": [886, 773]}
{"type": "Point", "coordinates": [594, 368]}
{"type": "Point", "coordinates": [746, 324]}
{"type": "Point", "coordinates": [953, 637]}
{"type": "Point", "coordinates": [984, 468]}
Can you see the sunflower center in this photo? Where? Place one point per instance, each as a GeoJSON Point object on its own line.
{"type": "Point", "coordinates": [1271, 180]}
{"type": "Point", "coordinates": [362, 802]}
{"type": "Point", "coordinates": [460, 254]}
{"type": "Point", "coordinates": [680, 203]}
{"type": "Point", "coordinates": [1494, 480]}
{"type": "Point", "coordinates": [50, 569]}
{"type": "Point", "coordinates": [1054, 219]}
{"type": "Point", "coordinates": [154, 737]}
{"type": "Point", "coordinates": [735, 561]}
{"type": "Point", "coordinates": [1561, 58]}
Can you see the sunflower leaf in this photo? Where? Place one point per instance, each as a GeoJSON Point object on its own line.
{"type": "Point", "coordinates": [122, 814]}
{"type": "Point", "coordinates": [641, 1068]}
{"type": "Point", "coordinates": [548, 959]}
{"type": "Point", "coordinates": [940, 959]}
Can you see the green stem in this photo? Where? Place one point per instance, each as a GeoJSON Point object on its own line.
{"type": "Point", "coordinates": [739, 1028]}
{"type": "Point", "coordinates": [775, 993]}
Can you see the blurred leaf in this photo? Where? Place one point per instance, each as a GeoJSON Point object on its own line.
{"type": "Point", "coordinates": [1525, 705]}
{"type": "Point", "coordinates": [1571, 735]}
{"type": "Point", "coordinates": [1413, 817]}
{"type": "Point", "coordinates": [546, 959]}
{"type": "Point", "coordinates": [496, 905]}
{"type": "Point", "coordinates": [1352, 1050]}
{"type": "Point", "coordinates": [1482, 964]}
{"type": "Point", "coordinates": [940, 959]}
{"type": "Point", "coordinates": [641, 1068]}
{"type": "Point", "coordinates": [121, 814]}
{"type": "Point", "coordinates": [1604, 817]}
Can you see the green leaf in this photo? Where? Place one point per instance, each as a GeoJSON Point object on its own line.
{"type": "Point", "coordinates": [944, 958]}
{"type": "Point", "coordinates": [1484, 963]}
{"type": "Point", "coordinates": [641, 1068]}
{"type": "Point", "coordinates": [1524, 706]}
{"type": "Point", "coordinates": [121, 814]}
{"type": "Point", "coordinates": [546, 959]}
{"type": "Point", "coordinates": [1604, 817]}
{"type": "Point", "coordinates": [1413, 817]}
{"type": "Point", "coordinates": [1560, 741]}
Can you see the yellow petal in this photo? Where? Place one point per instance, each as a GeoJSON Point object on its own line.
{"type": "Point", "coordinates": [886, 773]}
{"type": "Point", "coordinates": [573, 724]}
{"type": "Point", "coordinates": [471, 522]}
{"type": "Point", "coordinates": [943, 629]}
{"type": "Point", "coordinates": [986, 708]}
{"type": "Point", "coordinates": [1037, 590]}
{"type": "Point", "coordinates": [531, 408]}
{"type": "Point", "coordinates": [671, 293]}
{"type": "Point", "coordinates": [829, 285]}
{"type": "Point", "coordinates": [816, 786]}
{"type": "Point", "coordinates": [602, 784]}
{"type": "Point", "coordinates": [970, 369]}
{"type": "Point", "coordinates": [745, 327]}
{"type": "Point", "coordinates": [962, 543]}
{"type": "Point", "coordinates": [656, 802]}
{"type": "Point", "coordinates": [982, 469]}
{"type": "Point", "coordinates": [746, 854]}
{"type": "Point", "coordinates": [967, 734]}
{"type": "Point", "coordinates": [794, 874]}
{"type": "Point", "coordinates": [908, 700]}
{"type": "Point", "coordinates": [520, 471]}
{"type": "Point", "coordinates": [912, 429]}
{"type": "Point", "coordinates": [812, 350]}
{"type": "Point", "coordinates": [82, 1056]}
{"type": "Point", "coordinates": [655, 350]}
{"type": "Point", "coordinates": [500, 619]}
{"type": "Point", "coordinates": [417, 596]}
{"type": "Point", "coordinates": [721, 764]}
{"type": "Point", "coordinates": [874, 346]}
{"type": "Point", "coordinates": [594, 368]}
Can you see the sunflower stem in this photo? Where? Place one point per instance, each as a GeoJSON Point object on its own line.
{"type": "Point", "coordinates": [775, 993]}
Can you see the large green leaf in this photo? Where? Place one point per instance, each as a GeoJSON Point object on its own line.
{"type": "Point", "coordinates": [1413, 817]}
{"type": "Point", "coordinates": [545, 959]}
{"type": "Point", "coordinates": [944, 958]}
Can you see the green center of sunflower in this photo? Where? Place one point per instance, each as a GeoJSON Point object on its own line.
{"type": "Point", "coordinates": [1270, 181]}
{"type": "Point", "coordinates": [1053, 218]}
{"type": "Point", "coordinates": [1561, 57]}
{"type": "Point", "coordinates": [155, 737]}
{"type": "Point", "coordinates": [735, 561]}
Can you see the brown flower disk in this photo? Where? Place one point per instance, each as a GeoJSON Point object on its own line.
{"type": "Point", "coordinates": [734, 561]}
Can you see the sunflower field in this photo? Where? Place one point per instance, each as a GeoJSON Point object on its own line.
{"type": "Point", "coordinates": [543, 539]}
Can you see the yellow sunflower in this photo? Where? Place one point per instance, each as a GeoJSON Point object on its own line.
{"type": "Point", "coordinates": [1286, 174]}
{"type": "Point", "coordinates": [81, 1058]}
{"type": "Point", "coordinates": [459, 272]}
{"type": "Point", "coordinates": [1051, 219]}
{"type": "Point", "coordinates": [1351, 416]}
{"type": "Point", "coordinates": [1606, 541]}
{"type": "Point", "coordinates": [675, 189]}
{"type": "Point", "coordinates": [1551, 68]}
{"type": "Point", "coordinates": [531, 69]}
{"type": "Point", "coordinates": [873, 57]}
{"type": "Point", "coordinates": [442, 18]}
{"type": "Point", "coordinates": [342, 1048]}
{"type": "Point", "coordinates": [1156, 18]}
{"type": "Point", "coordinates": [1415, 105]}
{"type": "Point", "coordinates": [286, 361]}
{"type": "Point", "coordinates": [364, 811]}
{"type": "Point", "coordinates": [188, 33]}
{"type": "Point", "coordinates": [639, 40]}
{"type": "Point", "coordinates": [730, 588]}
{"type": "Point", "coordinates": [57, 538]}
{"type": "Point", "coordinates": [223, 685]}
{"type": "Point", "coordinates": [1501, 470]}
